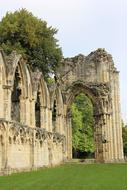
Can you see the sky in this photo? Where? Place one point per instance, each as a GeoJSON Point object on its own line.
{"type": "Point", "coordinates": [83, 26]}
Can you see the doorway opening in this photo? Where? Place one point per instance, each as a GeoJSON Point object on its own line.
{"type": "Point", "coordinates": [83, 145]}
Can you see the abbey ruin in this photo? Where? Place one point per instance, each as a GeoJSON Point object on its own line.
{"type": "Point", "coordinates": [35, 120]}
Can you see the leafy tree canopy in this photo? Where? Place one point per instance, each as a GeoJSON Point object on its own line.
{"type": "Point", "coordinates": [30, 36]}
{"type": "Point", "coordinates": [82, 124]}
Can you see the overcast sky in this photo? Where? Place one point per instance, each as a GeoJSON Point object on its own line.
{"type": "Point", "coordinates": [84, 26]}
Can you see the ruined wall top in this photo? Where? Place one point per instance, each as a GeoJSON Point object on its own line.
{"type": "Point", "coordinates": [97, 67]}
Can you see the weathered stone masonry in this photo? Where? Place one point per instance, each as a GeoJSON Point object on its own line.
{"type": "Point", "coordinates": [35, 120]}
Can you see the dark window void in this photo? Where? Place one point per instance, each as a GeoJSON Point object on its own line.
{"type": "Point", "coordinates": [15, 98]}
{"type": "Point", "coordinates": [38, 111]}
{"type": "Point", "coordinates": [54, 115]}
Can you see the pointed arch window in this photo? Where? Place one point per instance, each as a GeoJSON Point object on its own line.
{"type": "Point", "coordinates": [15, 97]}
{"type": "Point", "coordinates": [38, 111]}
{"type": "Point", "coordinates": [54, 113]}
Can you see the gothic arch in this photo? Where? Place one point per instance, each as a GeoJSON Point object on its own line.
{"type": "Point", "coordinates": [21, 68]}
{"type": "Point", "coordinates": [95, 95]}
{"type": "Point", "coordinates": [19, 81]}
{"type": "Point", "coordinates": [57, 104]}
{"type": "Point", "coordinates": [42, 101]}
{"type": "Point", "coordinates": [96, 76]}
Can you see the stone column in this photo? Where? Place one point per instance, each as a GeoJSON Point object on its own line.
{"type": "Point", "coordinates": [104, 138]}
{"type": "Point", "coordinates": [99, 156]}
{"type": "Point", "coordinates": [32, 150]}
{"type": "Point", "coordinates": [118, 119]}
{"type": "Point", "coordinates": [108, 132]}
{"type": "Point", "coordinates": [5, 155]}
{"type": "Point", "coordinates": [23, 110]}
{"type": "Point", "coordinates": [114, 118]}
{"type": "Point", "coordinates": [46, 118]}
{"type": "Point", "coordinates": [3, 146]}
{"type": "Point", "coordinates": [32, 113]}
{"type": "Point", "coordinates": [69, 138]}
{"type": "Point", "coordinates": [27, 116]}
{"type": "Point", "coordinates": [7, 102]}
{"type": "Point", "coordinates": [42, 117]}
{"type": "Point", "coordinates": [61, 121]}
{"type": "Point", "coordinates": [50, 125]}
{"type": "Point", "coordinates": [105, 129]}
{"type": "Point", "coordinates": [111, 139]}
{"type": "Point", "coordinates": [1, 101]}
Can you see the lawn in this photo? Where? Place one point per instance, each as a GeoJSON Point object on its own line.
{"type": "Point", "coordinates": [70, 177]}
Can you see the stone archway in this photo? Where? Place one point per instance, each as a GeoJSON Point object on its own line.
{"type": "Point", "coordinates": [99, 98]}
{"type": "Point", "coordinates": [95, 76]}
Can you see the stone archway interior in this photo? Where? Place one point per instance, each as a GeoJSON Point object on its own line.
{"type": "Point", "coordinates": [15, 98]}
{"type": "Point", "coordinates": [83, 142]}
{"type": "Point", "coordinates": [38, 111]}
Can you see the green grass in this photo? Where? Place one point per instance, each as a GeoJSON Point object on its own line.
{"type": "Point", "coordinates": [70, 177]}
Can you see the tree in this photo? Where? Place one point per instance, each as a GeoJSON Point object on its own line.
{"type": "Point", "coordinates": [30, 36]}
{"type": "Point", "coordinates": [82, 125]}
{"type": "Point", "coordinates": [124, 134]}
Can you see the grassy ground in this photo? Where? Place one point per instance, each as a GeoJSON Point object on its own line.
{"type": "Point", "coordinates": [70, 177]}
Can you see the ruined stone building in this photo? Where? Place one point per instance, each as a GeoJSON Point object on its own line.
{"type": "Point", "coordinates": [35, 120]}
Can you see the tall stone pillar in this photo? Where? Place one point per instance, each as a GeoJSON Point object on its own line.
{"type": "Point", "coordinates": [113, 118]}
{"type": "Point", "coordinates": [45, 118]}
{"type": "Point", "coordinates": [28, 111]}
{"type": "Point", "coordinates": [118, 119]}
{"type": "Point", "coordinates": [23, 110]}
{"type": "Point", "coordinates": [116, 115]}
{"type": "Point", "coordinates": [50, 120]}
{"type": "Point", "coordinates": [3, 144]}
{"type": "Point", "coordinates": [61, 121]}
{"type": "Point", "coordinates": [1, 101]}
{"type": "Point", "coordinates": [111, 139]}
{"type": "Point", "coordinates": [32, 113]}
{"type": "Point", "coordinates": [69, 138]}
{"type": "Point", "coordinates": [7, 102]}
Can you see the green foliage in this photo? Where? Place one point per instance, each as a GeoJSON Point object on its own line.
{"type": "Point", "coordinates": [124, 134]}
{"type": "Point", "coordinates": [50, 81]}
{"type": "Point", "coordinates": [82, 124]}
{"type": "Point", "coordinates": [30, 36]}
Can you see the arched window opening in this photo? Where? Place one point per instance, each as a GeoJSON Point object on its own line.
{"type": "Point", "coordinates": [83, 145]}
{"type": "Point", "coordinates": [54, 110]}
{"type": "Point", "coordinates": [38, 111]}
{"type": "Point", "coordinates": [15, 97]}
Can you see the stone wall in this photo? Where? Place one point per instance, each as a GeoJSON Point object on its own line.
{"type": "Point", "coordinates": [96, 76]}
{"type": "Point", "coordinates": [25, 148]}
{"type": "Point", "coordinates": [25, 142]}
{"type": "Point", "coordinates": [30, 137]}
